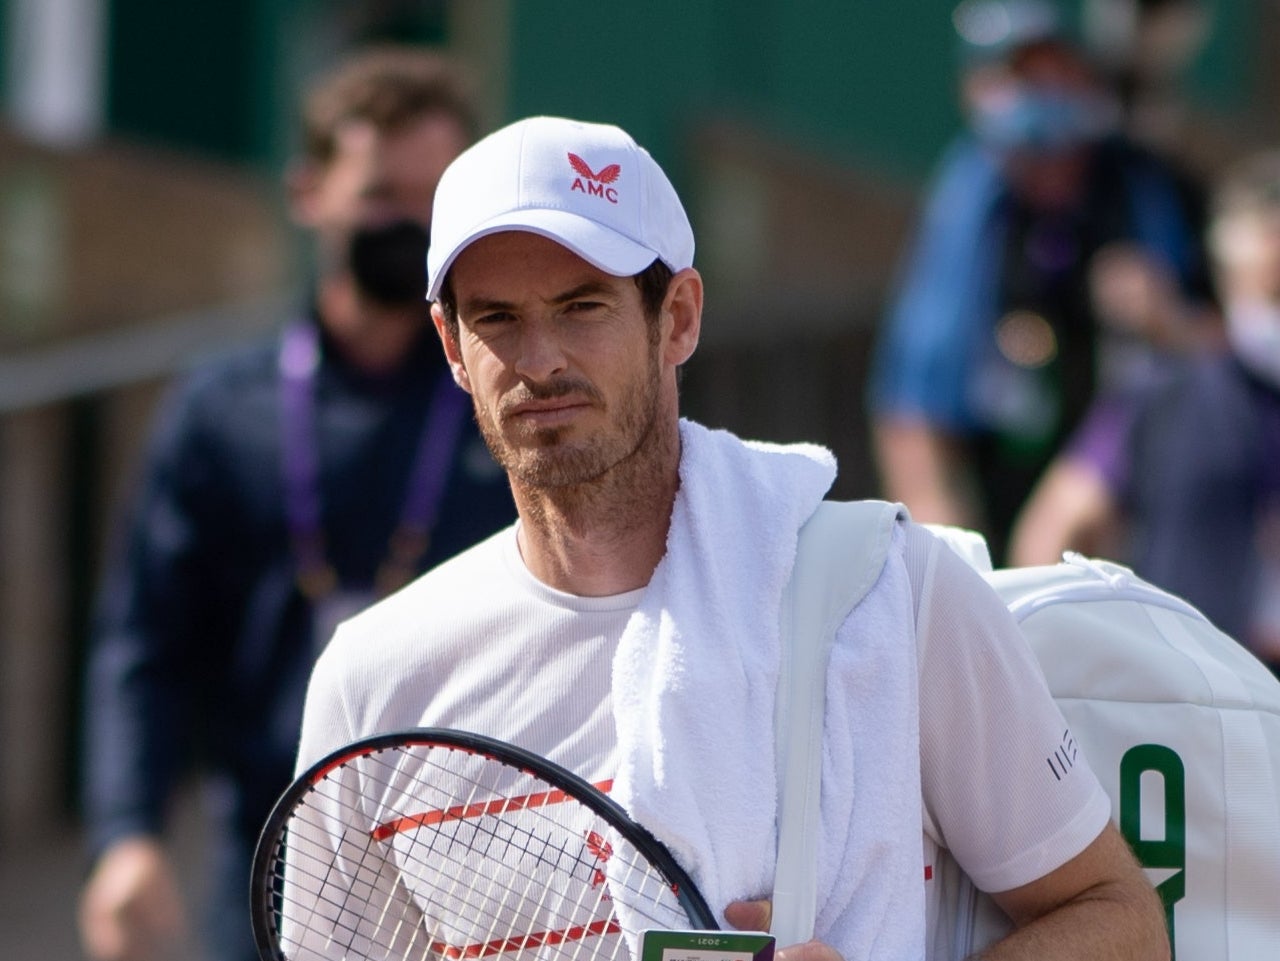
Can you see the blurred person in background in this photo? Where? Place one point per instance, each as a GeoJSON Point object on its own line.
{"type": "Point", "coordinates": [992, 347]}
{"type": "Point", "coordinates": [1145, 48]}
{"type": "Point", "coordinates": [287, 485]}
{"type": "Point", "coordinates": [1183, 479]}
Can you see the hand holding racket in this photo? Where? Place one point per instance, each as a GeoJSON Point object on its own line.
{"type": "Point", "coordinates": [438, 844]}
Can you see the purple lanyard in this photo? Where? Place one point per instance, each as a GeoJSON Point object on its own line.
{"type": "Point", "coordinates": [299, 364]}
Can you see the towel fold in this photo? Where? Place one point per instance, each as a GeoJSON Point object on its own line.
{"type": "Point", "coordinates": [694, 684]}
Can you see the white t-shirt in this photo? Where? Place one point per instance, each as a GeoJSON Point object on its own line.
{"type": "Point", "coordinates": [481, 645]}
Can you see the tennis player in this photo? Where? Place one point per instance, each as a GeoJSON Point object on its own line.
{"type": "Point", "coordinates": [626, 627]}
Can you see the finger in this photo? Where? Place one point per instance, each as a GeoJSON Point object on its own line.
{"type": "Point", "coordinates": [750, 915]}
{"type": "Point", "coordinates": [809, 951]}
{"type": "Point", "coordinates": [102, 930]}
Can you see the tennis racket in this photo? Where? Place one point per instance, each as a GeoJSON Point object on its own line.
{"type": "Point", "coordinates": [442, 845]}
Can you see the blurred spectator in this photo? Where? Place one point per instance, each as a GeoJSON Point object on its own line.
{"type": "Point", "coordinates": [992, 348]}
{"type": "Point", "coordinates": [1145, 46]}
{"type": "Point", "coordinates": [1190, 468]}
{"type": "Point", "coordinates": [287, 485]}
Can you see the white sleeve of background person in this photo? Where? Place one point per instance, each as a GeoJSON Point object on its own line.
{"type": "Point", "coordinates": [1003, 788]}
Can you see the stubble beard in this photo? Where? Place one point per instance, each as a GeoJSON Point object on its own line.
{"type": "Point", "coordinates": [626, 459]}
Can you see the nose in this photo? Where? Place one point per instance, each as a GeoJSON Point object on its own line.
{"type": "Point", "coordinates": [541, 354]}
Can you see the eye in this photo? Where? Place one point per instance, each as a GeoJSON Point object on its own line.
{"type": "Point", "coordinates": [492, 318]}
{"type": "Point", "coordinates": [583, 306]}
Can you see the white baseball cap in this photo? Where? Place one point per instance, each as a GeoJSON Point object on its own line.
{"type": "Point", "coordinates": [991, 30]}
{"type": "Point", "coordinates": [587, 186]}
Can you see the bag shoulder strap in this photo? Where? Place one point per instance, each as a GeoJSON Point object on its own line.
{"type": "Point", "coordinates": [841, 553]}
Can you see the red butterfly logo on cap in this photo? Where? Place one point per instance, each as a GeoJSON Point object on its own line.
{"type": "Point", "coordinates": [607, 175]}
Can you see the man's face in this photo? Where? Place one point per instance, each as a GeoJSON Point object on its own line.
{"type": "Point", "coordinates": [375, 178]}
{"type": "Point", "coordinates": [565, 370]}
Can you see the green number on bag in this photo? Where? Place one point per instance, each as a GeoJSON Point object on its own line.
{"type": "Point", "coordinates": [1169, 853]}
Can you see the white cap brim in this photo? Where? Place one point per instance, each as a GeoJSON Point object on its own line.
{"type": "Point", "coordinates": [601, 246]}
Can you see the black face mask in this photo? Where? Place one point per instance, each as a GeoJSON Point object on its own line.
{"type": "Point", "coordinates": [389, 262]}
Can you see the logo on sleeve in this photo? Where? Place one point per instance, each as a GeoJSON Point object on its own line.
{"type": "Point", "coordinates": [1063, 759]}
{"type": "Point", "coordinates": [596, 184]}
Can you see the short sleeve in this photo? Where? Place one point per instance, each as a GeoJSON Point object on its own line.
{"type": "Point", "coordinates": [326, 722]}
{"type": "Point", "coordinates": [988, 728]}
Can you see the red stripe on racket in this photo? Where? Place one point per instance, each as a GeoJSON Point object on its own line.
{"type": "Point", "coordinates": [435, 843]}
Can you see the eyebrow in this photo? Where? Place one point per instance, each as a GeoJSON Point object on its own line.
{"type": "Point", "coordinates": [591, 288]}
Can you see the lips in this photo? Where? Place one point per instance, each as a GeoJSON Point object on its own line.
{"type": "Point", "coordinates": [547, 413]}
{"type": "Point", "coordinates": [545, 406]}
{"type": "Point", "coordinates": [548, 401]}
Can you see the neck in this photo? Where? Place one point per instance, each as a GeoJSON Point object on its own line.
{"type": "Point", "coordinates": [607, 536]}
{"type": "Point", "coordinates": [373, 338]}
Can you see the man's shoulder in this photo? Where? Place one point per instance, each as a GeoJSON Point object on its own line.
{"type": "Point", "coordinates": [473, 569]}
{"type": "Point", "coordinates": [963, 162]}
{"type": "Point", "coordinates": [381, 660]}
{"type": "Point", "coordinates": [1205, 388]}
{"type": "Point", "coordinates": [447, 594]}
{"type": "Point", "coordinates": [221, 402]}
{"type": "Point", "coordinates": [226, 374]}
{"type": "Point", "coordinates": [1134, 157]}
{"type": "Point", "coordinates": [468, 571]}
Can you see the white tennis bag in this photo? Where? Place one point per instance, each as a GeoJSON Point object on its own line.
{"type": "Point", "coordinates": [1181, 725]}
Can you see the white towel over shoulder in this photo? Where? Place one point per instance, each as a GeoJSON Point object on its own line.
{"type": "Point", "coordinates": [695, 677]}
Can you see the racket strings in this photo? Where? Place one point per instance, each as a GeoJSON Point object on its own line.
{"type": "Point", "coordinates": [348, 902]}
{"type": "Point", "coordinates": [336, 901]}
{"type": "Point", "coordinates": [495, 865]}
{"type": "Point", "coordinates": [606, 856]}
{"type": "Point", "coordinates": [513, 841]}
{"type": "Point", "coordinates": [529, 842]}
{"type": "Point", "coordinates": [639, 880]}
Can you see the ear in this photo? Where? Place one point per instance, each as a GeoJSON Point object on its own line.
{"type": "Point", "coordinates": [452, 351]}
{"type": "Point", "coordinates": [682, 310]}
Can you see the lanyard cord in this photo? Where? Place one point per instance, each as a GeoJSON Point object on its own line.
{"type": "Point", "coordinates": [316, 577]}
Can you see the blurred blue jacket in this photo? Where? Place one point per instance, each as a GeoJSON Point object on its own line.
{"type": "Point", "coordinates": [202, 643]}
